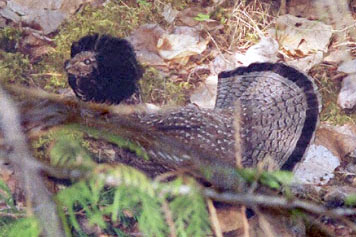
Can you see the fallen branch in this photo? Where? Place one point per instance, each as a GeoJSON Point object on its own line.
{"type": "Point", "coordinates": [28, 169]}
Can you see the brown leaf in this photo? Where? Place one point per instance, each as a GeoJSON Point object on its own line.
{"type": "Point", "coordinates": [340, 140]}
{"type": "Point", "coordinates": [276, 225]}
{"type": "Point", "coordinates": [144, 40]}
{"type": "Point", "coordinates": [230, 218]}
{"type": "Point", "coordinates": [301, 36]}
{"type": "Point", "coordinates": [35, 45]}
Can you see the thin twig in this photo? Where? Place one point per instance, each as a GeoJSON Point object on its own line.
{"type": "Point", "coordinates": [41, 94]}
{"type": "Point", "coordinates": [169, 218]}
{"type": "Point", "coordinates": [276, 201]}
{"type": "Point", "coordinates": [237, 127]}
{"type": "Point", "coordinates": [264, 224]}
{"type": "Point", "coordinates": [214, 219]}
{"type": "Point", "coordinates": [246, 226]}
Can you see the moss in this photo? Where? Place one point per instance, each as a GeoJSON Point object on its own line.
{"type": "Point", "coordinates": [159, 89]}
{"type": "Point", "coordinates": [9, 37]}
{"type": "Point", "coordinates": [14, 67]}
{"type": "Point", "coordinates": [329, 91]}
{"type": "Point", "coordinates": [44, 144]}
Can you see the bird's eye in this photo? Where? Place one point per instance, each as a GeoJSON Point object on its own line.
{"type": "Point", "coordinates": [87, 61]}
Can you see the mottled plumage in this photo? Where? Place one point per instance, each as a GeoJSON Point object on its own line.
{"type": "Point", "coordinates": [278, 114]}
{"type": "Point", "coordinates": [279, 109]}
{"type": "Point", "coordinates": [103, 69]}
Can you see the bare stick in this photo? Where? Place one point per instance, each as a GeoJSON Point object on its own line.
{"type": "Point", "coordinates": [214, 219]}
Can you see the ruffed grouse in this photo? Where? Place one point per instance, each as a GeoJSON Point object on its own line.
{"type": "Point", "coordinates": [278, 114]}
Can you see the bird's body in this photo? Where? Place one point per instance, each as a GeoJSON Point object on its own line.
{"type": "Point", "coordinates": [277, 115]}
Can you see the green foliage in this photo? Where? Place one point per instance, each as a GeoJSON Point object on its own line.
{"type": "Point", "coordinates": [14, 67]}
{"type": "Point", "coordinates": [9, 213]}
{"type": "Point", "coordinates": [190, 215]}
{"type": "Point", "coordinates": [6, 197]}
{"type": "Point", "coordinates": [329, 91]}
{"type": "Point", "coordinates": [350, 200]}
{"type": "Point", "coordinates": [143, 3]}
{"type": "Point", "coordinates": [158, 89]}
{"type": "Point", "coordinates": [274, 179]}
{"type": "Point", "coordinates": [134, 193]}
{"type": "Point", "coordinates": [65, 147]}
{"type": "Point", "coordinates": [68, 151]}
{"type": "Point", "coordinates": [9, 37]}
{"type": "Point", "coordinates": [85, 195]}
{"type": "Point", "coordinates": [24, 227]}
{"type": "Point", "coordinates": [202, 17]}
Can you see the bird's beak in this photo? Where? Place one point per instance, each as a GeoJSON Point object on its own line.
{"type": "Point", "coordinates": [67, 65]}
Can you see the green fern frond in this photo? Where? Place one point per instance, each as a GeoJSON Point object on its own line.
{"type": "Point", "coordinates": [6, 196]}
{"type": "Point", "coordinates": [24, 227]}
{"type": "Point", "coordinates": [68, 151]}
{"type": "Point", "coordinates": [190, 214]}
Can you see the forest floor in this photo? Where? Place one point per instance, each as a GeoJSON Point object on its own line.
{"type": "Point", "coordinates": [221, 28]}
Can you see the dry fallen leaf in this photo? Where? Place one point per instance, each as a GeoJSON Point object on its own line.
{"type": "Point", "coordinates": [169, 14]}
{"type": "Point", "coordinates": [205, 95]}
{"type": "Point", "coordinates": [340, 140]}
{"type": "Point", "coordinates": [230, 218]}
{"type": "Point", "coordinates": [348, 66]}
{"type": "Point", "coordinates": [35, 45]}
{"type": "Point", "coordinates": [154, 45]}
{"type": "Point", "coordinates": [182, 43]}
{"type": "Point", "coordinates": [306, 63]}
{"type": "Point", "coordinates": [331, 146]}
{"type": "Point", "coordinates": [275, 225]}
{"type": "Point", "coordinates": [144, 40]}
{"type": "Point", "coordinates": [302, 41]}
{"type": "Point", "coordinates": [300, 36]}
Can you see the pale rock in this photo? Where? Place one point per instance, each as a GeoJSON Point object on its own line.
{"type": "Point", "coordinates": [347, 96]}
{"type": "Point", "coordinates": [317, 167]}
{"type": "Point", "coordinates": [348, 66]}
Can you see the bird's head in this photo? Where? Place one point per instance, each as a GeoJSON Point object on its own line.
{"type": "Point", "coordinates": [102, 69]}
{"type": "Point", "coordinates": [82, 64]}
